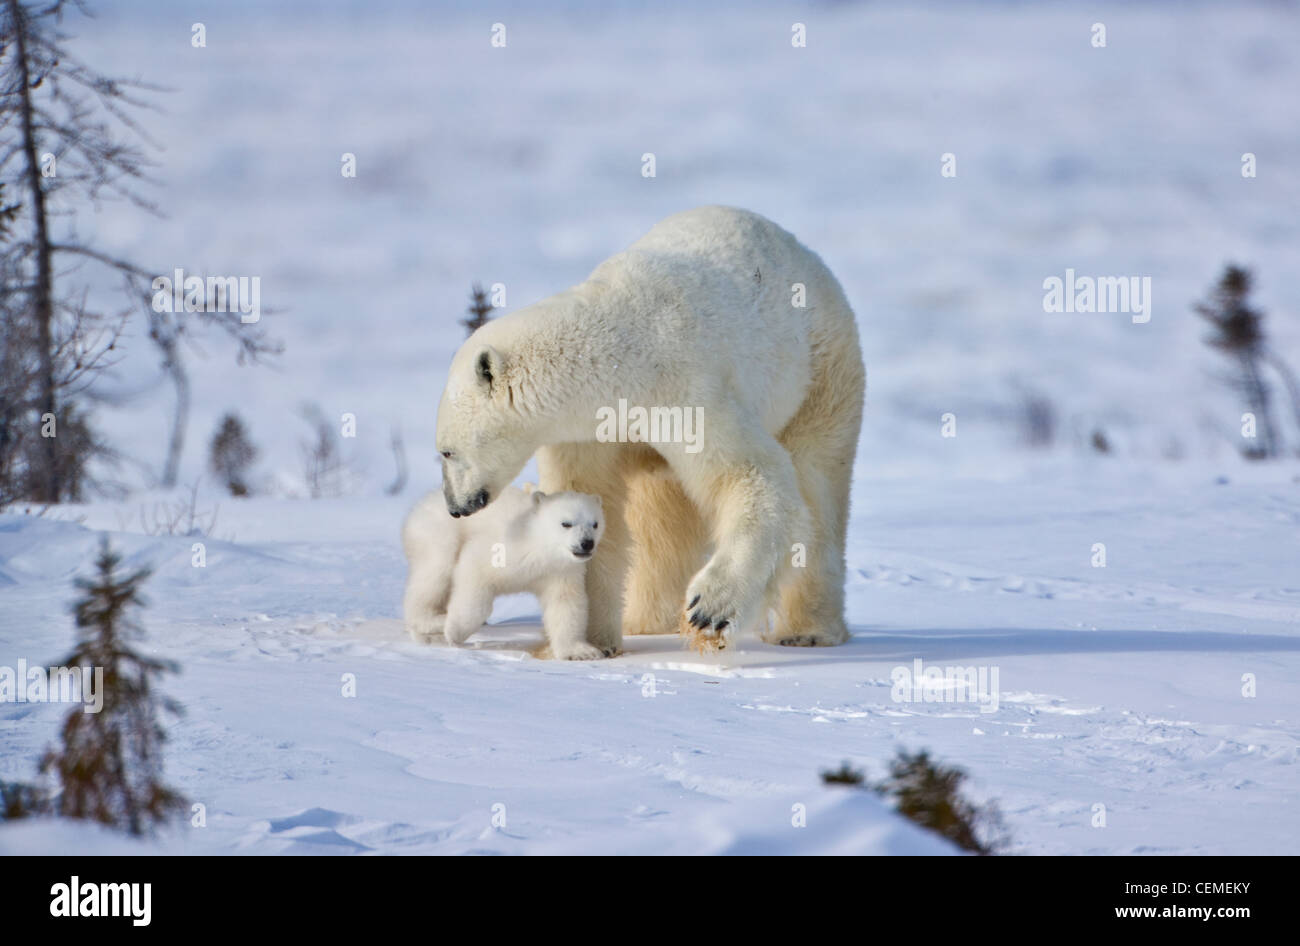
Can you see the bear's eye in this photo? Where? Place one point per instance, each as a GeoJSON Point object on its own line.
{"type": "Point", "coordinates": [446, 454]}
{"type": "Point", "coordinates": [595, 525]}
{"type": "Point", "coordinates": [567, 525]}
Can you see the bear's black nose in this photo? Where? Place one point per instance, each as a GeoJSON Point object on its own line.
{"type": "Point", "coordinates": [588, 544]}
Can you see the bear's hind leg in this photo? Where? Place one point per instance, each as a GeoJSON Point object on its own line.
{"type": "Point", "coordinates": [669, 540]}
{"type": "Point", "coordinates": [822, 439]}
{"type": "Point", "coordinates": [810, 609]}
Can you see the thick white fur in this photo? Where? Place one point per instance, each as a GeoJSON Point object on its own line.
{"type": "Point", "coordinates": [520, 543]}
{"type": "Point", "coordinates": [698, 313]}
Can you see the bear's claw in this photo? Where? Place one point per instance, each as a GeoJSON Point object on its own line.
{"type": "Point", "coordinates": [702, 638]}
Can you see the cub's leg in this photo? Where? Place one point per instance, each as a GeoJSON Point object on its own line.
{"type": "Point", "coordinates": [431, 542]}
{"type": "Point", "coordinates": [424, 606]}
{"type": "Point", "coordinates": [597, 468]}
{"type": "Point", "coordinates": [470, 604]}
{"type": "Point", "coordinates": [564, 616]}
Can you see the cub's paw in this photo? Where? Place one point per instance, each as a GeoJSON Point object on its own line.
{"type": "Point", "coordinates": [457, 634]}
{"type": "Point", "coordinates": [579, 650]}
{"type": "Point", "coordinates": [426, 630]}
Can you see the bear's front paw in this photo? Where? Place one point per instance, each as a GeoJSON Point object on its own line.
{"type": "Point", "coordinates": [712, 609]}
{"type": "Point", "coordinates": [703, 641]}
{"type": "Point", "coordinates": [579, 650]}
{"type": "Point", "coordinates": [426, 630]}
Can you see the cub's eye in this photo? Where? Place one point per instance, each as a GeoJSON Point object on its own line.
{"type": "Point", "coordinates": [446, 454]}
{"type": "Point", "coordinates": [595, 525]}
{"type": "Point", "coordinates": [567, 525]}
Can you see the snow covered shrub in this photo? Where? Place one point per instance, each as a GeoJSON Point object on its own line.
{"type": "Point", "coordinates": [178, 517]}
{"type": "Point", "coordinates": [844, 776]}
{"type": "Point", "coordinates": [930, 795]}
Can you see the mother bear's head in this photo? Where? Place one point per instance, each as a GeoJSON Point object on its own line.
{"type": "Point", "coordinates": [483, 436]}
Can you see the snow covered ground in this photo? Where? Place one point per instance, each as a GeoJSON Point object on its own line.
{"type": "Point", "coordinates": [1119, 686]}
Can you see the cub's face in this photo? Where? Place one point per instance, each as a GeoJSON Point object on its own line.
{"type": "Point", "coordinates": [482, 439]}
{"type": "Point", "coordinates": [571, 522]}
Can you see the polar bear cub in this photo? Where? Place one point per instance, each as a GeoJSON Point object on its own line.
{"type": "Point", "coordinates": [525, 541]}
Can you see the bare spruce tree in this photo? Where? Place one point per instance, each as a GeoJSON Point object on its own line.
{"type": "Point", "coordinates": [170, 332]}
{"type": "Point", "coordinates": [70, 139]}
{"type": "Point", "coordinates": [324, 468]}
{"type": "Point", "coordinates": [109, 766]}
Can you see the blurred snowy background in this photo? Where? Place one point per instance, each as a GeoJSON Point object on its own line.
{"type": "Point", "coordinates": [522, 166]}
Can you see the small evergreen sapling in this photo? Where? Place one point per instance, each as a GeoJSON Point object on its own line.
{"type": "Point", "coordinates": [1238, 332]}
{"type": "Point", "coordinates": [479, 307]}
{"type": "Point", "coordinates": [930, 795]}
{"type": "Point", "coordinates": [109, 766]}
{"type": "Point", "coordinates": [231, 453]}
{"type": "Point", "coordinates": [22, 800]}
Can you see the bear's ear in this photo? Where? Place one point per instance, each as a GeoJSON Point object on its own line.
{"type": "Point", "coordinates": [538, 496]}
{"type": "Point", "coordinates": [599, 502]}
{"type": "Point", "coordinates": [488, 365]}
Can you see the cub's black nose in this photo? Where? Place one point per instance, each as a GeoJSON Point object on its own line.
{"type": "Point", "coordinates": [588, 544]}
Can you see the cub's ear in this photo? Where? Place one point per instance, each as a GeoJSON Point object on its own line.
{"type": "Point", "coordinates": [489, 365]}
{"type": "Point", "coordinates": [599, 501]}
{"type": "Point", "coordinates": [538, 496]}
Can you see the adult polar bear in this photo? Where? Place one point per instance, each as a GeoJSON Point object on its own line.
{"type": "Point", "coordinates": [705, 311]}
